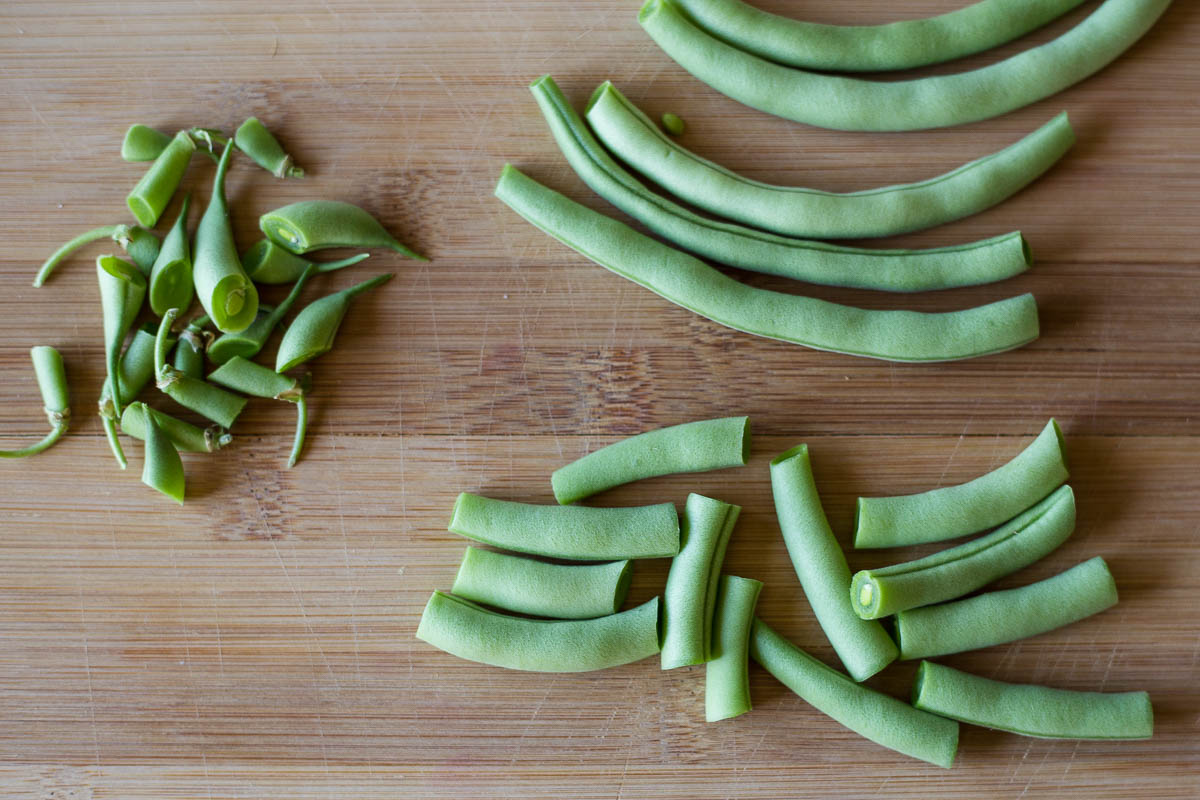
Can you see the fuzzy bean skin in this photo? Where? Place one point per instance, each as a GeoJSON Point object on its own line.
{"type": "Point", "coordinates": [151, 194]}
{"type": "Point", "coordinates": [317, 224]}
{"type": "Point", "coordinates": [560, 591]}
{"type": "Point", "coordinates": [727, 674]}
{"type": "Point", "coordinates": [312, 332]}
{"type": "Point", "coordinates": [227, 294]}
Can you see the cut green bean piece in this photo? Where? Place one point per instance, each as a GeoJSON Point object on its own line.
{"type": "Point", "coordinates": [879, 717]}
{"type": "Point", "coordinates": [577, 533]}
{"type": "Point", "coordinates": [193, 342]}
{"type": "Point", "coordinates": [686, 281]}
{"type": "Point", "coordinates": [967, 508]}
{"type": "Point", "coordinates": [228, 296]}
{"type": "Point", "coordinates": [122, 290]}
{"type": "Point", "coordinates": [171, 275]}
{"type": "Point", "coordinates": [546, 590]}
{"type": "Point", "coordinates": [727, 674]}
{"type": "Point", "coordinates": [56, 402]}
{"type": "Point", "coordinates": [253, 139]}
{"type": "Point", "coordinates": [250, 342]}
{"type": "Point", "coordinates": [818, 262]}
{"type": "Point", "coordinates": [691, 447]}
{"type": "Point", "coordinates": [863, 646]}
{"type": "Point", "coordinates": [211, 401]}
{"type": "Point", "coordinates": [162, 468]}
{"type": "Point", "coordinates": [794, 211]}
{"type": "Point", "coordinates": [1030, 710]}
{"type": "Point", "coordinates": [959, 570]}
{"type": "Point", "coordinates": [313, 330]}
{"type": "Point", "coordinates": [135, 369]}
{"type": "Point", "coordinates": [690, 596]}
{"type": "Point", "coordinates": [267, 262]}
{"type": "Point", "coordinates": [853, 104]}
{"type": "Point", "coordinates": [142, 246]}
{"type": "Point", "coordinates": [258, 381]}
{"type": "Point", "coordinates": [673, 124]}
{"type": "Point", "coordinates": [998, 617]}
{"type": "Point", "coordinates": [185, 436]}
{"type": "Point", "coordinates": [137, 242]}
{"type": "Point", "coordinates": [150, 196]}
{"type": "Point", "coordinates": [142, 143]}
{"type": "Point", "coordinates": [464, 629]}
{"type": "Point", "coordinates": [317, 224]}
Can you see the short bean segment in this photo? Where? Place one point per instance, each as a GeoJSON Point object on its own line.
{"type": "Point", "coordinates": [686, 281]}
{"type": "Point", "coordinates": [967, 508]}
{"type": "Point", "coordinates": [136, 368]}
{"type": "Point", "coordinates": [135, 421]}
{"type": "Point", "coordinates": [143, 143]}
{"type": "Point", "coordinates": [250, 342]}
{"type": "Point", "coordinates": [317, 224]}
{"type": "Point", "coordinates": [229, 297]}
{"type": "Point", "coordinates": [267, 262]}
{"type": "Point", "coordinates": [204, 398]}
{"type": "Point", "coordinates": [52, 383]}
{"type": "Point", "coordinates": [879, 717]}
{"type": "Point", "coordinates": [862, 645]}
{"type": "Point", "coordinates": [464, 629]}
{"type": "Point", "coordinates": [313, 330]}
{"type": "Point", "coordinates": [258, 381]}
{"type": "Point", "coordinates": [561, 591]}
{"type": "Point", "coordinates": [253, 139]}
{"type": "Point", "coordinates": [794, 211]}
{"type": "Point", "coordinates": [139, 244]}
{"type": "Point", "coordinates": [959, 570]}
{"type": "Point", "coordinates": [853, 104]}
{"type": "Point", "coordinates": [690, 596]}
{"type": "Point", "coordinates": [998, 617]}
{"type": "Point", "coordinates": [194, 341]}
{"type": "Point", "coordinates": [727, 675]}
{"type": "Point", "coordinates": [162, 468]}
{"type": "Point", "coordinates": [171, 274]}
{"type": "Point", "coordinates": [691, 447]}
{"type": "Point", "coordinates": [150, 196]}
{"type": "Point", "coordinates": [578, 533]}
{"type": "Point", "coordinates": [122, 290]}
{"type": "Point", "coordinates": [1031, 710]}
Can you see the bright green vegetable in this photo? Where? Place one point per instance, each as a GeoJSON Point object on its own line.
{"type": "Point", "coordinates": [150, 196]}
{"type": "Point", "coordinates": [691, 447]}
{"type": "Point", "coordinates": [313, 330]}
{"type": "Point", "coordinates": [690, 596]}
{"type": "Point", "coordinates": [879, 717]}
{"type": "Point", "coordinates": [686, 281]}
{"type": "Point", "coordinates": [138, 243]}
{"type": "Point", "coordinates": [1032, 710]}
{"type": "Point", "coordinates": [969, 507]}
{"type": "Point", "coordinates": [185, 436]}
{"type": "Point", "coordinates": [952, 573]}
{"type": "Point", "coordinates": [250, 342]}
{"type": "Point", "coordinates": [211, 401]}
{"type": "Point", "coordinates": [727, 675]}
{"type": "Point", "coordinates": [143, 144]}
{"type": "Point", "coordinates": [834, 101]}
{"type": "Point", "coordinates": [997, 617]}
{"type": "Point", "coordinates": [267, 262]}
{"type": "Point", "coordinates": [464, 629]}
{"type": "Point", "coordinates": [576, 533]}
{"type": "Point", "coordinates": [135, 369]}
{"type": "Point", "coordinates": [794, 211]}
{"type": "Point", "coordinates": [52, 383]}
{"type": "Point", "coordinates": [122, 290]}
{"type": "Point", "coordinates": [863, 646]}
{"type": "Point", "coordinates": [228, 296]}
{"type": "Point", "coordinates": [546, 590]}
{"type": "Point", "coordinates": [258, 381]}
{"type": "Point", "coordinates": [317, 224]}
{"type": "Point", "coordinates": [162, 468]}
{"type": "Point", "coordinates": [253, 139]}
{"type": "Point", "coordinates": [171, 275]}
{"type": "Point", "coordinates": [193, 342]}
{"type": "Point", "coordinates": [673, 124]}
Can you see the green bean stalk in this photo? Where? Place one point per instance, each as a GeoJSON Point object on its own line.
{"type": "Point", "coordinates": [139, 244]}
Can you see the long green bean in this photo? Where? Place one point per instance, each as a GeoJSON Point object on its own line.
{"type": "Point", "coordinates": [51, 378]}
{"type": "Point", "coordinates": [727, 674]}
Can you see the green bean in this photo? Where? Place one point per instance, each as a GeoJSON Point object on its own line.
{"type": "Point", "coordinates": [152, 193]}
{"type": "Point", "coordinates": [258, 381]}
{"type": "Point", "coordinates": [212, 402]}
{"type": "Point", "coordinates": [313, 330]}
{"type": "Point", "coordinates": [673, 124]}
{"type": "Point", "coordinates": [999, 617]}
{"type": "Point", "coordinates": [959, 570]}
{"type": "Point", "coordinates": [193, 342]}
{"type": "Point", "coordinates": [968, 507]}
{"type": "Point", "coordinates": [142, 143]}
{"type": "Point", "coordinates": [686, 281]}
{"type": "Point", "coordinates": [52, 383]}
{"type": "Point", "coordinates": [546, 590]}
{"type": "Point", "coordinates": [464, 629]}
{"type": "Point", "coordinates": [162, 468]}
{"type": "Point", "coordinates": [228, 296]}
{"type": "Point", "coordinates": [250, 342]}
{"type": "Point", "coordinates": [267, 262]}
{"type": "Point", "coordinates": [879, 717]}
{"type": "Point", "coordinates": [890, 270]}
{"type": "Point", "coordinates": [183, 435]}
{"type": "Point", "coordinates": [253, 139]}
{"type": "Point", "coordinates": [872, 48]}
{"type": "Point", "coordinates": [134, 370]}
{"type": "Point", "coordinates": [690, 596]}
{"type": "Point", "coordinates": [691, 447]}
{"type": "Point", "coordinates": [1030, 710]}
{"type": "Point", "coordinates": [122, 289]}
{"type": "Point", "coordinates": [863, 646]}
{"type": "Point", "coordinates": [727, 675]}
{"type": "Point", "coordinates": [317, 224]}
{"type": "Point", "coordinates": [576, 533]}
{"type": "Point", "coordinates": [794, 211]}
{"type": "Point", "coordinates": [171, 275]}
{"type": "Point", "coordinates": [137, 242]}
{"type": "Point", "coordinates": [833, 101]}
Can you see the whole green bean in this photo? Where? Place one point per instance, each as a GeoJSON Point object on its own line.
{"type": "Point", "coordinates": [184, 435]}
{"type": "Point", "coordinates": [313, 330]}
{"type": "Point", "coordinates": [267, 262]}
{"type": "Point", "coordinates": [818, 262]}
{"type": "Point", "coordinates": [998, 617]}
{"type": "Point", "coordinates": [1030, 710]}
{"type": "Point", "coordinates": [576, 533]}
{"type": "Point", "coordinates": [204, 398]}
{"type": "Point", "coordinates": [317, 224]}
{"type": "Point", "coordinates": [171, 275]}
{"type": "Point", "coordinates": [546, 590]}
{"type": "Point", "coordinates": [142, 143]}
{"type": "Point", "coordinates": [464, 629]}
{"type": "Point", "coordinates": [794, 211]}
{"type": "Point", "coordinates": [250, 342]}
{"type": "Point", "coordinates": [228, 296]}
{"type": "Point", "coordinates": [138, 243]}
{"type": "Point", "coordinates": [876, 716]}
{"type": "Point", "coordinates": [863, 646]}
{"type": "Point", "coordinates": [727, 674]}
{"type": "Point", "coordinates": [686, 281]}
{"type": "Point", "coordinates": [52, 383]}
{"type": "Point", "coordinates": [152, 193]}
{"type": "Point", "coordinates": [968, 507]}
{"type": "Point", "coordinates": [691, 447]}
{"type": "Point", "coordinates": [162, 468]}
{"type": "Point", "coordinates": [258, 381]}
{"type": "Point", "coordinates": [959, 570]}
{"type": "Point", "coordinates": [253, 139]}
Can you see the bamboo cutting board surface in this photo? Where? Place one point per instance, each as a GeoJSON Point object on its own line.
{"type": "Point", "coordinates": [258, 642]}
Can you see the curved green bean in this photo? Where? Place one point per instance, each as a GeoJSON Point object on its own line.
{"type": "Point", "coordinates": [853, 104]}
{"type": "Point", "coordinates": [211, 401]}
{"type": "Point", "coordinates": [267, 262]}
{"type": "Point", "coordinates": [533, 587]}
{"type": "Point", "coordinates": [253, 139]}
{"type": "Point", "coordinates": [317, 224]}
{"type": "Point", "coordinates": [862, 645]}
{"type": "Point", "coordinates": [138, 243]}
{"type": "Point", "coordinates": [258, 381]}
{"type": "Point", "coordinates": [727, 674]}
{"type": "Point", "coordinates": [250, 342]}
{"type": "Point", "coordinates": [876, 716]}
{"type": "Point", "coordinates": [691, 447]}
{"type": "Point", "coordinates": [954, 572]}
{"type": "Point", "coordinates": [171, 274]}
{"type": "Point", "coordinates": [313, 330]}
{"type": "Point", "coordinates": [228, 296]}
{"type": "Point", "coordinates": [686, 281]}
{"type": "Point", "coordinates": [577, 533]}
{"type": "Point", "coordinates": [968, 507]}
{"type": "Point", "coordinates": [52, 383]}
{"type": "Point", "coordinates": [162, 468]}
{"type": "Point", "coordinates": [818, 262]}
{"type": "Point", "coordinates": [185, 436]}
{"type": "Point", "coordinates": [149, 197]}
{"type": "Point", "coordinates": [142, 143]}
{"type": "Point", "coordinates": [794, 211]}
{"type": "Point", "coordinates": [998, 617]}
{"type": "Point", "coordinates": [1031, 710]}
{"type": "Point", "coordinates": [464, 629]}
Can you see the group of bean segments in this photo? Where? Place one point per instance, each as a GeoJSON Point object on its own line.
{"type": "Point", "coordinates": [706, 617]}
{"type": "Point", "coordinates": [167, 274]}
{"type": "Point", "coordinates": [756, 58]}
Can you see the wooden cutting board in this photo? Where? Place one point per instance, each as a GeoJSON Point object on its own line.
{"type": "Point", "coordinates": [258, 642]}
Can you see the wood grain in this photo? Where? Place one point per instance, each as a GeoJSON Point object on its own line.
{"type": "Point", "coordinates": [257, 643]}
